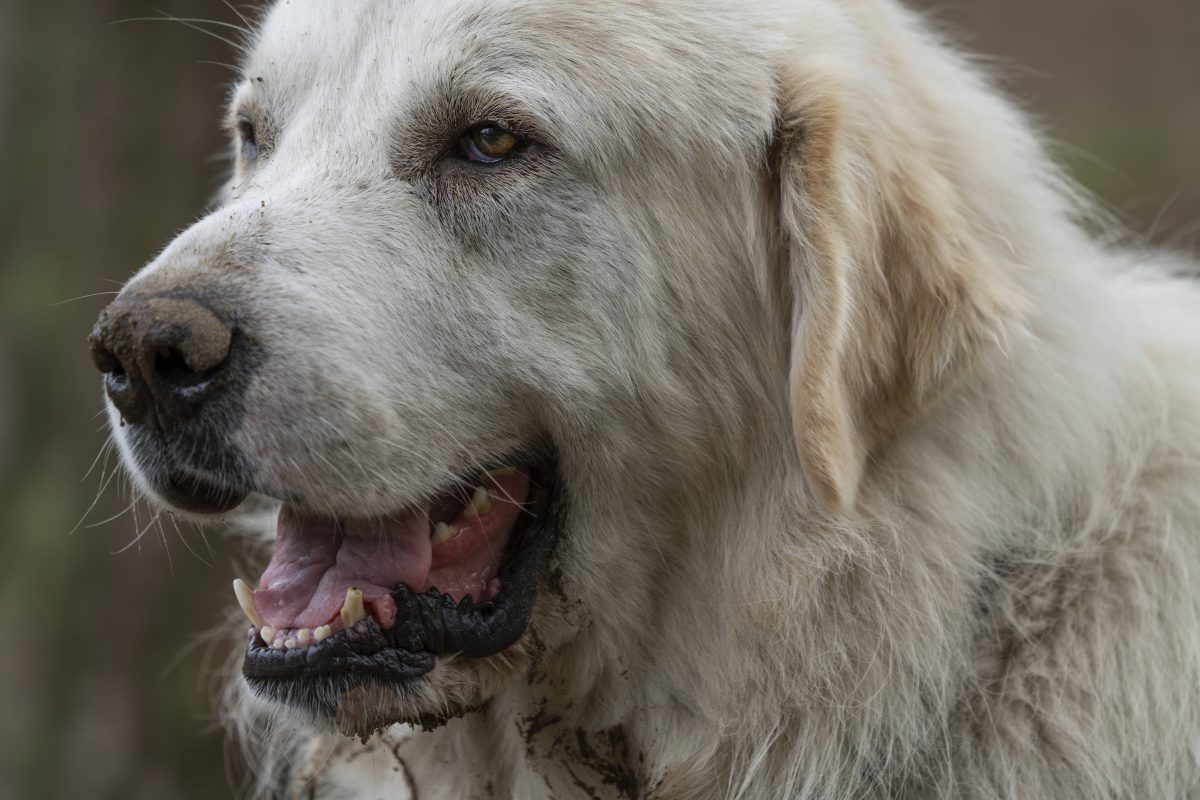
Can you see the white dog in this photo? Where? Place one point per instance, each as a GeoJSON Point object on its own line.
{"type": "Point", "coordinates": [674, 399]}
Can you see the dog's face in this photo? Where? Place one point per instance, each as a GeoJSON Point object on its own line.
{"type": "Point", "coordinates": [499, 298]}
{"type": "Point", "coordinates": [428, 319]}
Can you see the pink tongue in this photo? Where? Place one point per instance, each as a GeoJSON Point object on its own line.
{"type": "Point", "coordinates": [374, 556]}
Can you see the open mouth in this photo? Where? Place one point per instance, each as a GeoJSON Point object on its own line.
{"type": "Point", "coordinates": [349, 601]}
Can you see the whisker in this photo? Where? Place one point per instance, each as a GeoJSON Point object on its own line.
{"type": "Point", "coordinates": [239, 14]}
{"type": "Point", "coordinates": [203, 537]}
{"type": "Point", "coordinates": [137, 540]}
{"type": "Point", "coordinates": [105, 479]}
{"type": "Point", "coordinates": [229, 67]}
{"type": "Point", "coordinates": [192, 24]}
{"type": "Point", "coordinates": [201, 21]}
{"type": "Point", "coordinates": [103, 449]}
{"type": "Point", "coordinates": [81, 297]}
{"type": "Point", "coordinates": [117, 516]}
{"type": "Point", "coordinates": [162, 535]}
{"type": "Point", "coordinates": [186, 543]}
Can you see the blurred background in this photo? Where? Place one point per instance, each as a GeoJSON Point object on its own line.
{"type": "Point", "coordinates": [109, 144]}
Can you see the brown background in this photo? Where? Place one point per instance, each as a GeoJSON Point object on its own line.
{"type": "Point", "coordinates": [107, 138]}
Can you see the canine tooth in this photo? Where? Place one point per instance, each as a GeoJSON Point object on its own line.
{"type": "Point", "coordinates": [267, 633]}
{"type": "Point", "coordinates": [481, 502]}
{"type": "Point", "coordinates": [443, 533]}
{"type": "Point", "coordinates": [304, 637]}
{"type": "Point", "coordinates": [277, 644]}
{"type": "Point", "coordinates": [289, 644]}
{"type": "Point", "coordinates": [322, 633]}
{"type": "Point", "coordinates": [245, 598]}
{"type": "Point", "coordinates": [353, 610]}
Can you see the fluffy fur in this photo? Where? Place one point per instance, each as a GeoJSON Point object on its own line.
{"type": "Point", "coordinates": [884, 475]}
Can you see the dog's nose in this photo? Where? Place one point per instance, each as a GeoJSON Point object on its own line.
{"type": "Point", "coordinates": [161, 356]}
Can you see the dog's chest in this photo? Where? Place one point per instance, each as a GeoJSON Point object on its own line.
{"type": "Point", "coordinates": [466, 760]}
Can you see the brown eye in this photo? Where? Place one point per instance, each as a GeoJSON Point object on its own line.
{"type": "Point", "coordinates": [488, 143]}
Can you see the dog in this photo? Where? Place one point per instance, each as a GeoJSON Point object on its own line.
{"type": "Point", "coordinates": [672, 400]}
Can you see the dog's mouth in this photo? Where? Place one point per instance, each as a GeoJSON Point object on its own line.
{"type": "Point", "coordinates": [349, 601]}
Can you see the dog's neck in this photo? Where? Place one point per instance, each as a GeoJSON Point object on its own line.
{"type": "Point", "coordinates": [618, 703]}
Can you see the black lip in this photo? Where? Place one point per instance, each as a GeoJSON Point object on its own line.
{"type": "Point", "coordinates": [366, 650]}
{"type": "Point", "coordinates": [199, 496]}
{"type": "Point", "coordinates": [428, 624]}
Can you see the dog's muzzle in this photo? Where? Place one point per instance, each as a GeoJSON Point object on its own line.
{"type": "Point", "coordinates": [175, 365]}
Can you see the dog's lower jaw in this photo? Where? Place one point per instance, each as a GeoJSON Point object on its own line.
{"type": "Point", "coordinates": [456, 686]}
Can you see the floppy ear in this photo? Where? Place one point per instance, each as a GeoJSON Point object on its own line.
{"type": "Point", "coordinates": [891, 295]}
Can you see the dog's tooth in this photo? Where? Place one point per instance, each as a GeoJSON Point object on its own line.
{"type": "Point", "coordinates": [289, 643]}
{"type": "Point", "coordinates": [353, 610]}
{"type": "Point", "coordinates": [277, 644]}
{"type": "Point", "coordinates": [267, 633]}
{"type": "Point", "coordinates": [245, 598]}
{"type": "Point", "coordinates": [322, 633]}
{"type": "Point", "coordinates": [304, 637]}
{"type": "Point", "coordinates": [481, 502]}
{"type": "Point", "coordinates": [443, 533]}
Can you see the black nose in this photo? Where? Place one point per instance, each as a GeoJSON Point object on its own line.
{"type": "Point", "coordinates": [162, 356]}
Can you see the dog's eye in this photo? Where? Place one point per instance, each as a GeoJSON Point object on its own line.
{"type": "Point", "coordinates": [248, 136]}
{"type": "Point", "coordinates": [488, 143]}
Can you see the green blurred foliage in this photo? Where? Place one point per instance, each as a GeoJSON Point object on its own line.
{"type": "Point", "coordinates": [107, 134]}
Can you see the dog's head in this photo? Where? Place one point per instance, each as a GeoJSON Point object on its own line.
{"type": "Point", "coordinates": [505, 297]}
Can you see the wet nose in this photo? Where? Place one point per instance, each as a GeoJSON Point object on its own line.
{"type": "Point", "coordinates": [162, 356]}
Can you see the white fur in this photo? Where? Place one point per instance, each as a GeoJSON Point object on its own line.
{"type": "Point", "coordinates": [775, 584]}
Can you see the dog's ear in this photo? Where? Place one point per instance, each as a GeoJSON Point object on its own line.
{"type": "Point", "coordinates": [889, 293]}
